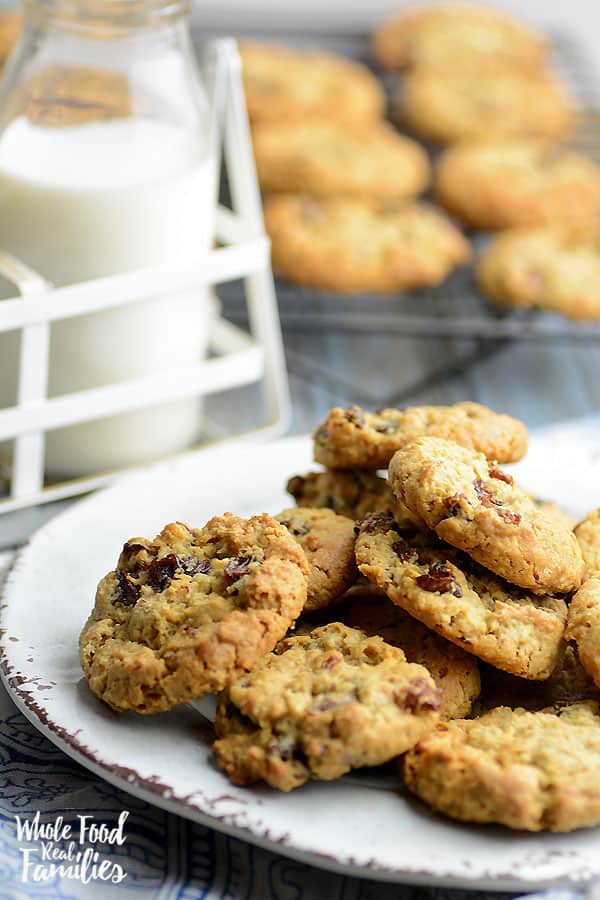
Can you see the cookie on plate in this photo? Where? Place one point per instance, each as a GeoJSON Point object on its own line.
{"type": "Point", "coordinates": [183, 615]}
{"type": "Point", "coordinates": [439, 35]}
{"type": "Point", "coordinates": [349, 492]}
{"type": "Point", "coordinates": [553, 268]}
{"type": "Point", "coordinates": [328, 542]}
{"type": "Point", "coordinates": [463, 103]}
{"type": "Point", "coordinates": [323, 160]}
{"type": "Point", "coordinates": [321, 705]}
{"type": "Point", "coordinates": [510, 628]}
{"type": "Point", "coordinates": [472, 504]}
{"type": "Point", "coordinates": [455, 672]}
{"type": "Point", "coordinates": [353, 438]}
{"type": "Point", "coordinates": [568, 683]}
{"type": "Point", "coordinates": [282, 83]}
{"type": "Point", "coordinates": [588, 538]}
{"type": "Point", "coordinates": [583, 625]}
{"type": "Point", "coordinates": [550, 508]}
{"type": "Point", "coordinates": [503, 183]}
{"type": "Point", "coordinates": [526, 770]}
{"type": "Point", "coordinates": [351, 245]}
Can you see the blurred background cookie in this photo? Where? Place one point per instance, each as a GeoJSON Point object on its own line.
{"type": "Point", "coordinates": [284, 83]}
{"type": "Point", "coordinates": [321, 159]}
{"type": "Point", "coordinates": [10, 28]}
{"type": "Point", "coordinates": [466, 101]}
{"type": "Point", "coordinates": [350, 245]}
{"type": "Point", "coordinates": [552, 268]}
{"type": "Point", "coordinates": [439, 34]}
{"type": "Point", "coordinates": [501, 183]}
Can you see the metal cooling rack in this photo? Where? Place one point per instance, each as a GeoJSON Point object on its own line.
{"type": "Point", "coordinates": [456, 309]}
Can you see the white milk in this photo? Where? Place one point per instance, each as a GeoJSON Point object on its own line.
{"type": "Point", "coordinates": [98, 199]}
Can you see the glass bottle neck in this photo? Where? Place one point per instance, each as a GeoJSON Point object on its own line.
{"type": "Point", "coordinates": [104, 19]}
{"type": "Point", "coordinates": [82, 61]}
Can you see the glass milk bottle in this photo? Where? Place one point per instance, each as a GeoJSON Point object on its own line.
{"type": "Point", "coordinates": [106, 166]}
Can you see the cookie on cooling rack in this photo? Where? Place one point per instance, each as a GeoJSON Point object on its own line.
{"type": "Point", "coordinates": [463, 103]}
{"type": "Point", "coordinates": [353, 438]}
{"type": "Point", "coordinates": [438, 35]}
{"type": "Point", "coordinates": [350, 245]}
{"type": "Point", "coordinates": [286, 84]}
{"type": "Point", "coordinates": [320, 705]}
{"type": "Point", "coordinates": [526, 770]}
{"type": "Point", "coordinates": [553, 268]}
{"type": "Point", "coordinates": [11, 22]}
{"type": "Point", "coordinates": [509, 627]}
{"type": "Point", "coordinates": [183, 615]}
{"type": "Point", "coordinates": [321, 159]}
{"type": "Point", "coordinates": [472, 504]}
{"type": "Point", "coordinates": [502, 183]}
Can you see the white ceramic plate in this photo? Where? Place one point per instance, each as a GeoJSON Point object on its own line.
{"type": "Point", "coordinates": [358, 825]}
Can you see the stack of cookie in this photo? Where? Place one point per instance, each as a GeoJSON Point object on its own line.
{"type": "Point", "coordinates": [452, 546]}
{"type": "Point", "coordinates": [427, 615]}
{"type": "Point", "coordinates": [481, 82]}
{"type": "Point", "coordinates": [340, 181]}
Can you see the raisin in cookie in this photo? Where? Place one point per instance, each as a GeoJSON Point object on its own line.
{"type": "Point", "coordinates": [501, 624]}
{"type": "Point", "coordinates": [319, 159]}
{"type": "Point", "coordinates": [527, 770]}
{"type": "Point", "coordinates": [185, 614]}
{"type": "Point", "coordinates": [353, 493]}
{"type": "Point", "coordinates": [352, 438]}
{"type": "Point", "coordinates": [351, 245]}
{"type": "Point", "coordinates": [328, 542]}
{"type": "Point", "coordinates": [476, 507]}
{"type": "Point", "coordinates": [552, 268]}
{"type": "Point", "coordinates": [439, 35]}
{"type": "Point", "coordinates": [456, 673]}
{"type": "Point", "coordinates": [463, 103]}
{"type": "Point", "coordinates": [505, 183]}
{"type": "Point", "coordinates": [282, 83]}
{"type": "Point", "coordinates": [321, 705]}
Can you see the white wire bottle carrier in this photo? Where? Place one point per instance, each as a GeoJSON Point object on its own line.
{"type": "Point", "coordinates": [238, 357]}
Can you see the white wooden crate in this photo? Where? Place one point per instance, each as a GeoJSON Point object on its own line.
{"type": "Point", "coordinates": [237, 357]}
